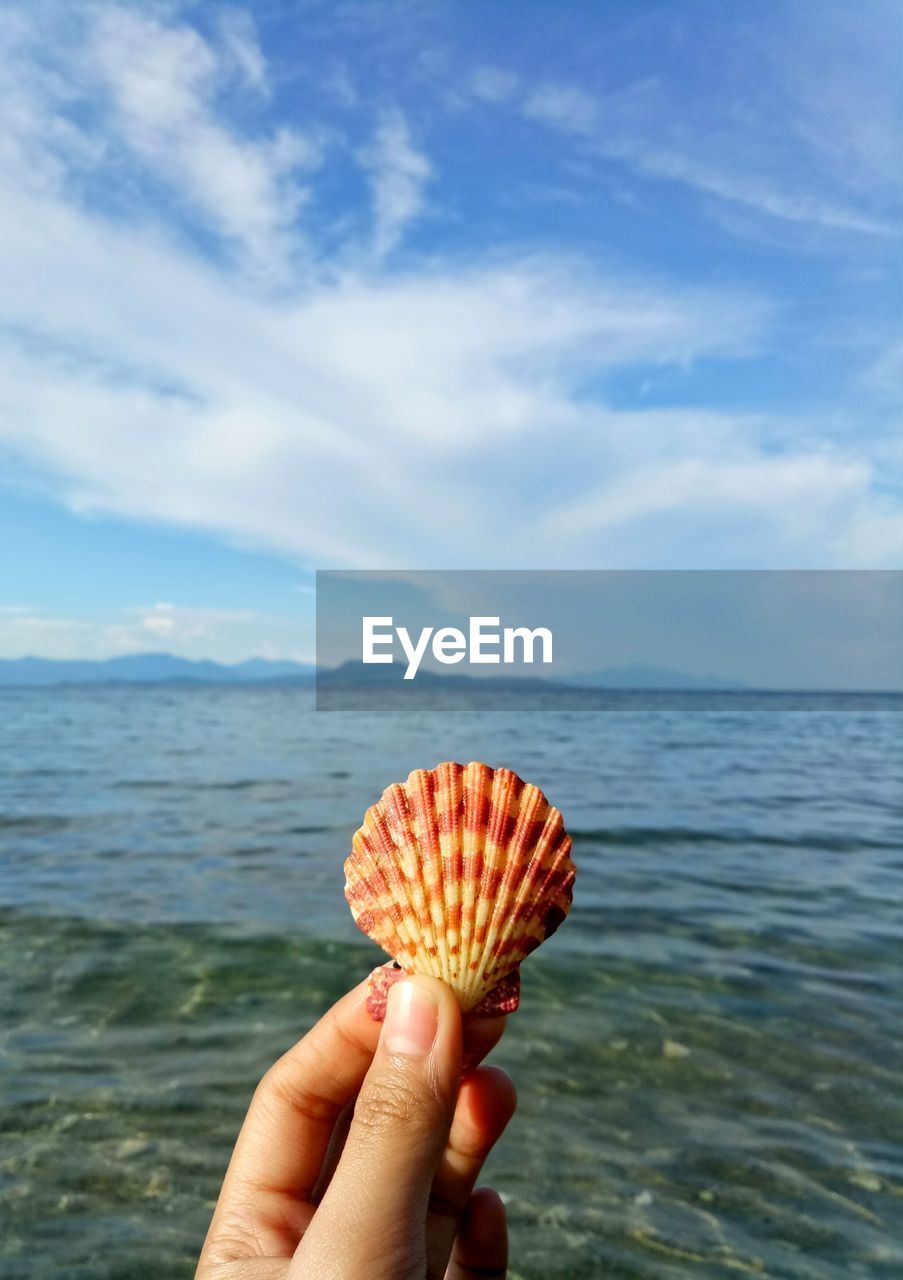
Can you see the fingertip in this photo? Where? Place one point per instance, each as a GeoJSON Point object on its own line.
{"type": "Point", "coordinates": [481, 1246]}
{"type": "Point", "coordinates": [449, 1035]}
{"type": "Point", "coordinates": [350, 1017]}
{"type": "Point", "coordinates": [486, 1200]}
{"type": "Point", "coordinates": [440, 992]}
{"type": "Point", "coordinates": [485, 1227]}
{"type": "Point", "coordinates": [422, 1027]}
{"type": "Point", "coordinates": [353, 1002]}
{"type": "Point", "coordinates": [501, 1084]}
{"type": "Point", "coordinates": [488, 1098]}
{"type": "Point", "coordinates": [481, 1035]}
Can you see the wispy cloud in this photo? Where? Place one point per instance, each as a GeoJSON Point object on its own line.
{"type": "Point", "coordinates": [564, 106]}
{"type": "Point", "coordinates": [376, 408]}
{"type": "Point", "coordinates": [352, 426]}
{"type": "Point", "coordinates": [238, 34]}
{"type": "Point", "coordinates": [190, 631]}
{"type": "Point", "coordinates": [492, 83]}
{"type": "Point", "coordinates": [798, 499]}
{"type": "Point", "coordinates": [398, 174]}
{"type": "Point", "coordinates": [764, 196]}
{"type": "Point", "coordinates": [884, 374]}
{"type": "Point", "coordinates": [621, 128]}
{"type": "Point", "coordinates": [162, 81]}
{"type": "Point", "coordinates": [794, 117]}
{"type": "Point", "coordinates": [26, 634]}
{"type": "Point", "coordinates": [185, 627]}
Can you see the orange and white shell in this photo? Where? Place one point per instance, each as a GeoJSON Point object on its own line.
{"type": "Point", "coordinates": [460, 873]}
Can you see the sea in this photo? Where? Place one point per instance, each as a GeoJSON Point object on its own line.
{"type": "Point", "coordinates": [708, 1054]}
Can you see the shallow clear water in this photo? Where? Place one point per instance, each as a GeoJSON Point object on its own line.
{"type": "Point", "coordinates": [708, 1054]}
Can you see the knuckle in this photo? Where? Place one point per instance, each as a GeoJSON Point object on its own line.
{"type": "Point", "coordinates": [284, 1085]}
{"type": "Point", "coordinates": [235, 1239]}
{"type": "Point", "coordinates": [473, 1147]}
{"type": "Point", "coordinates": [449, 1206]}
{"type": "Point", "coordinates": [391, 1255]}
{"type": "Point", "coordinates": [392, 1103]}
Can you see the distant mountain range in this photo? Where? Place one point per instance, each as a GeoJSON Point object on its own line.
{"type": "Point", "coordinates": [147, 668]}
{"type": "Point", "coordinates": [161, 668]}
{"type": "Point", "coordinates": [643, 675]}
{"type": "Point", "coordinates": [359, 675]}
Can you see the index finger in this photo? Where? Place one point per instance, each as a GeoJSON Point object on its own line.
{"type": "Point", "coordinates": [263, 1206]}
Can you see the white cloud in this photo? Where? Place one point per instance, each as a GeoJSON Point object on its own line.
{"type": "Point", "coordinates": [452, 414]}
{"type": "Point", "coordinates": [884, 376]}
{"type": "Point", "coordinates": [797, 500]}
{"type": "Point", "coordinates": [351, 427]}
{"type": "Point", "coordinates": [771, 197]}
{"type": "Point", "coordinates": [180, 626]}
{"type": "Point", "coordinates": [32, 634]}
{"type": "Point", "coordinates": [627, 128]}
{"type": "Point", "coordinates": [796, 121]}
{"type": "Point", "coordinates": [189, 631]}
{"type": "Point", "coordinates": [398, 177]}
{"type": "Point", "coordinates": [238, 34]}
{"type": "Point", "coordinates": [839, 76]}
{"type": "Point", "coordinates": [338, 83]}
{"type": "Point", "coordinates": [493, 84]}
{"type": "Point", "coordinates": [162, 82]}
{"type": "Point", "coordinates": [161, 620]}
{"type": "Point", "coordinates": [564, 106]}
{"type": "Point", "coordinates": [429, 420]}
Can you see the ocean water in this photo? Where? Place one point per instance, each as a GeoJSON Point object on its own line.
{"type": "Point", "coordinates": [708, 1053]}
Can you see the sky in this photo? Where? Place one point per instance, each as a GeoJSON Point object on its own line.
{"type": "Point", "coordinates": [372, 285]}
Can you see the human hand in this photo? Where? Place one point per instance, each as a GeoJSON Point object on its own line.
{"type": "Point", "coordinates": [361, 1147]}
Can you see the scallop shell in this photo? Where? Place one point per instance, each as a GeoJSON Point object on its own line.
{"type": "Point", "coordinates": [460, 873]}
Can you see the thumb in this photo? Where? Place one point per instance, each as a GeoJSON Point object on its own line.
{"type": "Point", "coordinates": [371, 1220]}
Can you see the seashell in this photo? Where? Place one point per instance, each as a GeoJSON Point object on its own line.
{"type": "Point", "coordinates": [503, 998]}
{"type": "Point", "coordinates": [460, 873]}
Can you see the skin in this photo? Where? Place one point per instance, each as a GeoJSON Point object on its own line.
{"type": "Point", "coordinates": [361, 1149]}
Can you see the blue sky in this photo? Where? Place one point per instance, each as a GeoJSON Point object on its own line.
{"type": "Point", "coordinates": [370, 285]}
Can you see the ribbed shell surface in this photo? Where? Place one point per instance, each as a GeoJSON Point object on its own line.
{"type": "Point", "coordinates": [460, 873]}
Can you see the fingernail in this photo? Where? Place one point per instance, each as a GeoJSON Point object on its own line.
{"type": "Point", "coordinates": [412, 1020]}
